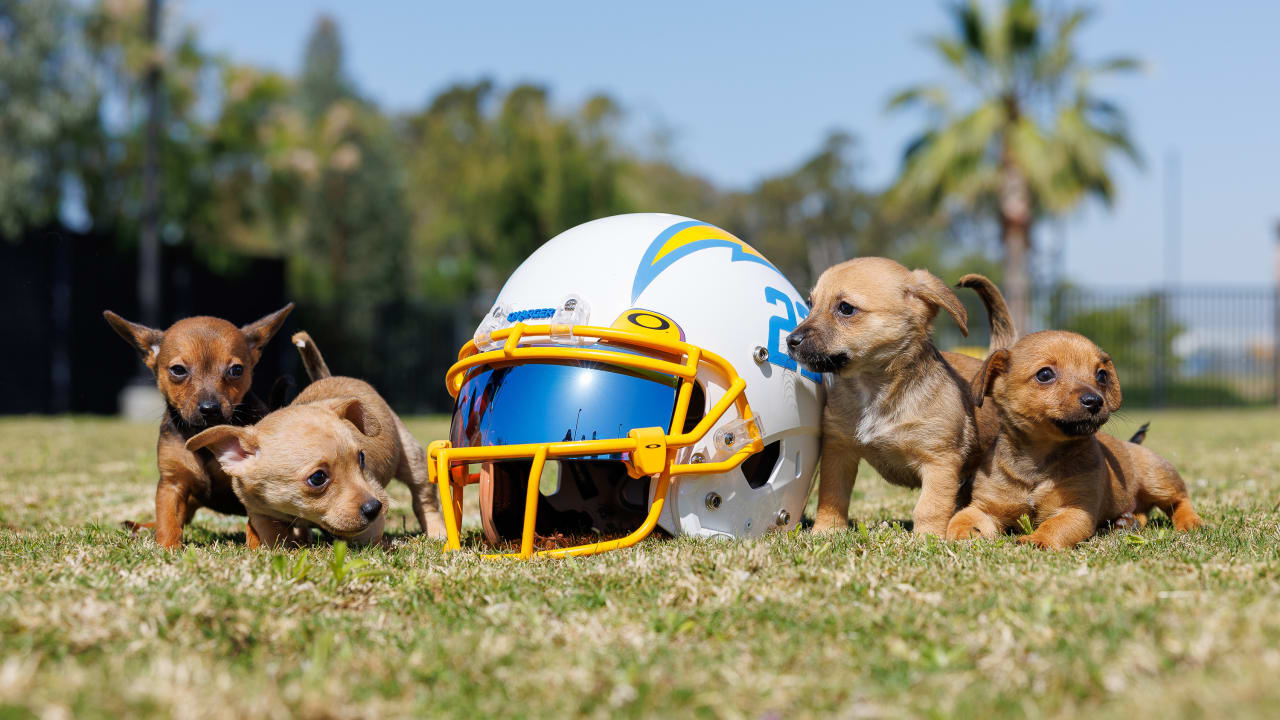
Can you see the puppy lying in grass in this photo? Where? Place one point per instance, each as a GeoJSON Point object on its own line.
{"type": "Point", "coordinates": [1054, 390]}
{"type": "Point", "coordinates": [325, 459]}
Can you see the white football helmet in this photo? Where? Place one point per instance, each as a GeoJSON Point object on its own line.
{"type": "Point", "coordinates": [645, 355]}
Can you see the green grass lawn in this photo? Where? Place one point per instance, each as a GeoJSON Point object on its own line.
{"type": "Point", "coordinates": [870, 622]}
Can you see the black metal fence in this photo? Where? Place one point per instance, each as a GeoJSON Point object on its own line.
{"type": "Point", "coordinates": [1181, 347]}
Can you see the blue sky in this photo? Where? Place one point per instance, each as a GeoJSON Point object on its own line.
{"type": "Point", "coordinates": [751, 88]}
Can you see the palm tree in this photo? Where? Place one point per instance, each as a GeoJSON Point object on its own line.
{"type": "Point", "coordinates": [1037, 141]}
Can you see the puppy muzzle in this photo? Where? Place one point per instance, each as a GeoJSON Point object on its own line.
{"type": "Point", "coordinates": [800, 348]}
{"type": "Point", "coordinates": [1083, 426]}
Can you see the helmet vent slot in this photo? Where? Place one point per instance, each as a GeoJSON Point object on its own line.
{"type": "Point", "coordinates": [759, 467]}
{"type": "Point", "coordinates": [697, 407]}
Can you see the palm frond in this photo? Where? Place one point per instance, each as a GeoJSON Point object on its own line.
{"type": "Point", "coordinates": [1036, 111]}
{"type": "Point", "coordinates": [1117, 64]}
{"type": "Point", "coordinates": [933, 97]}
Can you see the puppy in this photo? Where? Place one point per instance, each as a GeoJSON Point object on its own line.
{"type": "Point", "coordinates": [894, 399]}
{"type": "Point", "coordinates": [204, 368]}
{"type": "Point", "coordinates": [1054, 390]}
{"type": "Point", "coordinates": [325, 459]}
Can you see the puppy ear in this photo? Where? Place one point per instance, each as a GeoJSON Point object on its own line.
{"type": "Point", "coordinates": [993, 367]}
{"type": "Point", "coordinates": [235, 448]}
{"type": "Point", "coordinates": [260, 332]}
{"type": "Point", "coordinates": [146, 341]}
{"type": "Point", "coordinates": [933, 291]}
{"type": "Point", "coordinates": [354, 412]}
{"type": "Point", "coordinates": [1112, 391]}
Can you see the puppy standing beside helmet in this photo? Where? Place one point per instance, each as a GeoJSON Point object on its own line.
{"type": "Point", "coordinates": [894, 399]}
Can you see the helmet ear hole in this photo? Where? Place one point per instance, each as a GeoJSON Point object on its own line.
{"type": "Point", "coordinates": [759, 467]}
{"type": "Point", "coordinates": [697, 408]}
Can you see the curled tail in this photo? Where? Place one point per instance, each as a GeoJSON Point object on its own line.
{"type": "Point", "coordinates": [311, 358]}
{"type": "Point", "coordinates": [1141, 435]}
{"type": "Point", "coordinates": [1003, 333]}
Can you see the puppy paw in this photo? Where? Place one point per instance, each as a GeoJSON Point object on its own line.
{"type": "Point", "coordinates": [962, 531]}
{"type": "Point", "coordinates": [135, 527]}
{"type": "Point", "coordinates": [829, 524]}
{"type": "Point", "coordinates": [1186, 519]}
{"type": "Point", "coordinates": [1044, 542]}
{"type": "Point", "coordinates": [935, 528]}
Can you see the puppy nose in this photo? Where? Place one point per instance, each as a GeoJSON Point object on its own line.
{"type": "Point", "coordinates": [1091, 402]}
{"type": "Point", "coordinates": [210, 408]}
{"type": "Point", "coordinates": [795, 338]}
{"type": "Point", "coordinates": [371, 508]}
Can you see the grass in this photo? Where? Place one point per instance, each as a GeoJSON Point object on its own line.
{"type": "Point", "coordinates": [869, 622]}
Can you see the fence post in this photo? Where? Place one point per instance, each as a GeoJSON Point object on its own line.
{"type": "Point", "coordinates": [1275, 319]}
{"type": "Point", "coordinates": [1157, 347]}
{"type": "Point", "coordinates": [1275, 331]}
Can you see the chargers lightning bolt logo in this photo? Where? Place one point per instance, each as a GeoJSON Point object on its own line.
{"type": "Point", "coordinates": [685, 238]}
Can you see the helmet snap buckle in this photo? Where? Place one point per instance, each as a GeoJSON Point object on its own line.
{"type": "Point", "coordinates": [496, 320]}
{"type": "Point", "coordinates": [732, 437]}
{"type": "Point", "coordinates": [573, 310]}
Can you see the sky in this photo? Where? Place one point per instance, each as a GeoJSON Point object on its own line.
{"type": "Point", "coordinates": [750, 89]}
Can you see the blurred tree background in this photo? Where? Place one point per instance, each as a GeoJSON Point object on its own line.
{"type": "Point", "coordinates": [397, 229]}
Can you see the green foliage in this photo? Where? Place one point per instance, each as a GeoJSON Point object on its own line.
{"type": "Point", "coordinates": [494, 177]}
{"type": "Point", "coordinates": [48, 109]}
{"type": "Point", "coordinates": [389, 223]}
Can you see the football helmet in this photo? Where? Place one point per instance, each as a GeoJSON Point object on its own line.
{"type": "Point", "coordinates": [642, 357]}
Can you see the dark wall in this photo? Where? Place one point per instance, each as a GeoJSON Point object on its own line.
{"type": "Point", "coordinates": [61, 356]}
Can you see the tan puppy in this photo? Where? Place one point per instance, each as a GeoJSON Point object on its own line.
{"type": "Point", "coordinates": [325, 460]}
{"type": "Point", "coordinates": [895, 400]}
{"type": "Point", "coordinates": [1054, 390]}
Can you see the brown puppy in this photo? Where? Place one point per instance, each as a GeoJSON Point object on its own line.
{"type": "Point", "coordinates": [204, 368]}
{"type": "Point", "coordinates": [323, 460]}
{"type": "Point", "coordinates": [1054, 390]}
{"type": "Point", "coordinates": [895, 400]}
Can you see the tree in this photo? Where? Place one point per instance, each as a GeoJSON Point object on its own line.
{"type": "Point", "coordinates": [48, 110]}
{"type": "Point", "coordinates": [495, 177]}
{"type": "Point", "coordinates": [1037, 141]}
{"type": "Point", "coordinates": [349, 249]}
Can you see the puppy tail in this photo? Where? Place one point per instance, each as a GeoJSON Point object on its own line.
{"type": "Point", "coordinates": [1003, 333]}
{"type": "Point", "coordinates": [311, 358]}
{"type": "Point", "coordinates": [1141, 435]}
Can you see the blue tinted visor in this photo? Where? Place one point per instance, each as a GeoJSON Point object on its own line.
{"type": "Point", "coordinates": [558, 401]}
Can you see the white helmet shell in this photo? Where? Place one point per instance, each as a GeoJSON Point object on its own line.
{"type": "Point", "coordinates": [726, 298]}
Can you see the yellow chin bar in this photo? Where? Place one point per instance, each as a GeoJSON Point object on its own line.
{"type": "Point", "coordinates": [646, 451]}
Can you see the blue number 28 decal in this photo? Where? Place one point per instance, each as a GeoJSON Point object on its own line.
{"type": "Point", "coordinates": [780, 326]}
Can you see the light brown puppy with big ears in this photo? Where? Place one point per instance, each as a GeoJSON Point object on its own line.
{"type": "Point", "coordinates": [325, 459]}
{"type": "Point", "coordinates": [1054, 390]}
{"type": "Point", "coordinates": [895, 400]}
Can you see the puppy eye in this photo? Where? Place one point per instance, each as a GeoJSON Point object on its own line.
{"type": "Point", "coordinates": [844, 309]}
{"type": "Point", "coordinates": [177, 371]}
{"type": "Point", "coordinates": [1046, 375]}
{"type": "Point", "coordinates": [360, 459]}
{"type": "Point", "coordinates": [235, 371]}
{"type": "Point", "coordinates": [1102, 377]}
{"type": "Point", "coordinates": [318, 479]}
